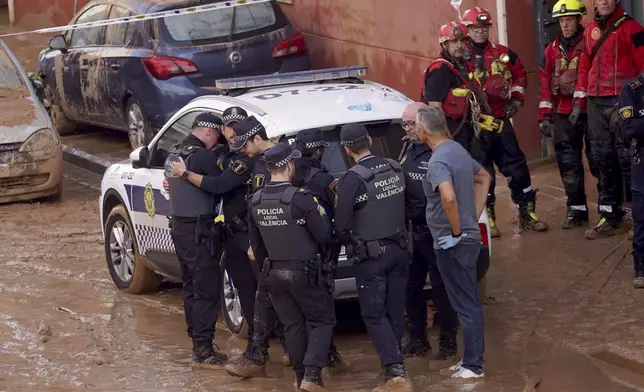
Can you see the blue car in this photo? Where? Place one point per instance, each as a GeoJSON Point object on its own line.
{"type": "Point", "coordinates": [134, 76]}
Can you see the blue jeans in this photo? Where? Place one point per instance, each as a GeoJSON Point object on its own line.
{"type": "Point", "coordinates": [457, 267]}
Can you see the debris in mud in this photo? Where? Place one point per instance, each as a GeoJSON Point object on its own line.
{"type": "Point", "coordinates": [44, 332]}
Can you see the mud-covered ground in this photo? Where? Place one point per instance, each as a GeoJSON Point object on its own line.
{"type": "Point", "coordinates": [566, 314]}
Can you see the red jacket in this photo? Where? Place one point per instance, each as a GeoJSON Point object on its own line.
{"type": "Point", "coordinates": [515, 79]}
{"type": "Point", "coordinates": [619, 59]}
{"type": "Point", "coordinates": [455, 106]}
{"type": "Point", "coordinates": [557, 77]}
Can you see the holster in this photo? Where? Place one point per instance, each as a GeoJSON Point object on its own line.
{"type": "Point", "coordinates": [266, 267]}
{"type": "Point", "coordinates": [357, 250]}
{"type": "Point", "coordinates": [313, 271]}
{"type": "Point", "coordinates": [374, 249]}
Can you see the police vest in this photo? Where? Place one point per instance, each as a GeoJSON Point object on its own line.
{"type": "Point", "coordinates": [456, 103]}
{"type": "Point", "coordinates": [383, 216]}
{"type": "Point", "coordinates": [565, 69]}
{"type": "Point", "coordinates": [283, 237]}
{"type": "Point", "coordinates": [187, 200]}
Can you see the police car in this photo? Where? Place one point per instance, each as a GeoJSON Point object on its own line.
{"type": "Point", "coordinates": [134, 208]}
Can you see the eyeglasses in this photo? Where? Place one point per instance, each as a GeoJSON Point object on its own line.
{"type": "Point", "coordinates": [408, 125]}
{"type": "Point", "coordinates": [480, 29]}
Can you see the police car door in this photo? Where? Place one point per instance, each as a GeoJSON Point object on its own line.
{"type": "Point", "coordinates": [150, 207]}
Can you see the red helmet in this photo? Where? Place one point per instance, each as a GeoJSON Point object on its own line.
{"type": "Point", "coordinates": [477, 16]}
{"type": "Point", "coordinates": [451, 31]}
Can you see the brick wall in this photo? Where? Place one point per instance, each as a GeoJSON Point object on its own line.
{"type": "Point", "coordinates": [45, 13]}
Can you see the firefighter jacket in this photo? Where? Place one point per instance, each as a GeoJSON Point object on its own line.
{"type": "Point", "coordinates": [503, 82]}
{"type": "Point", "coordinates": [619, 59]}
{"type": "Point", "coordinates": [557, 76]}
{"type": "Point", "coordinates": [453, 85]}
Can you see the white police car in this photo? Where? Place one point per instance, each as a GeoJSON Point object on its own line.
{"type": "Point", "coordinates": [134, 209]}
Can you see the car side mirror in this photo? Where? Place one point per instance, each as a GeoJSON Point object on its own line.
{"type": "Point", "coordinates": [139, 157]}
{"type": "Point", "coordinates": [58, 42]}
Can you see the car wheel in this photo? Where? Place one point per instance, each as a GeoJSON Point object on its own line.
{"type": "Point", "coordinates": [127, 268]}
{"type": "Point", "coordinates": [63, 125]}
{"type": "Point", "coordinates": [139, 130]}
{"type": "Point", "coordinates": [230, 304]}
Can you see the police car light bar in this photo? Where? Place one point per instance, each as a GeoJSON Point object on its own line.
{"type": "Point", "coordinates": [291, 77]}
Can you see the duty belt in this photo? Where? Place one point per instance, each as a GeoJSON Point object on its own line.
{"type": "Point", "coordinates": [420, 228]}
{"type": "Point", "coordinates": [238, 224]}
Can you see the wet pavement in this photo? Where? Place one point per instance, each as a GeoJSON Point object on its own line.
{"type": "Point", "coordinates": [566, 315]}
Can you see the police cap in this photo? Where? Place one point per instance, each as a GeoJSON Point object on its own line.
{"type": "Point", "coordinates": [352, 134]}
{"type": "Point", "coordinates": [245, 130]}
{"type": "Point", "coordinates": [234, 114]}
{"type": "Point", "coordinates": [280, 155]}
{"type": "Point", "coordinates": [310, 140]}
{"type": "Point", "coordinates": [207, 120]}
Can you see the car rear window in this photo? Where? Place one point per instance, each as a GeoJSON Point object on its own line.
{"type": "Point", "coordinates": [222, 25]}
{"type": "Point", "coordinates": [386, 140]}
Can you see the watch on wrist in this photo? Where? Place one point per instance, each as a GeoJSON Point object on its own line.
{"type": "Point", "coordinates": [185, 174]}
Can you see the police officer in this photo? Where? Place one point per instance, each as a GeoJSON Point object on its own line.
{"type": "Point", "coordinates": [311, 175]}
{"type": "Point", "coordinates": [557, 76]}
{"type": "Point", "coordinates": [631, 115]}
{"type": "Point", "coordinates": [230, 184]}
{"type": "Point", "coordinates": [251, 140]}
{"type": "Point", "coordinates": [192, 225]}
{"type": "Point", "coordinates": [415, 158]}
{"type": "Point", "coordinates": [370, 222]}
{"type": "Point", "coordinates": [292, 270]}
{"type": "Point", "coordinates": [498, 70]}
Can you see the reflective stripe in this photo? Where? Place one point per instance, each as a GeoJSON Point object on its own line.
{"type": "Point", "coordinates": [579, 94]}
{"type": "Point", "coordinates": [545, 105]}
{"type": "Point", "coordinates": [517, 89]}
{"type": "Point", "coordinates": [578, 208]}
{"type": "Point", "coordinates": [528, 189]}
{"type": "Point", "coordinates": [608, 209]}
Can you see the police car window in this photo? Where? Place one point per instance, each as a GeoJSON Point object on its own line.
{"type": "Point", "coordinates": [93, 35]}
{"type": "Point", "coordinates": [173, 136]}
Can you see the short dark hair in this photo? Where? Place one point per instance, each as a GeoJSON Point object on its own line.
{"type": "Point", "coordinates": [359, 146]}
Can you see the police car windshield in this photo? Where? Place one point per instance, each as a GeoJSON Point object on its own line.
{"type": "Point", "coordinates": [386, 142]}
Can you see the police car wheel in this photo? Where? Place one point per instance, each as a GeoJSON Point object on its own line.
{"type": "Point", "coordinates": [127, 268]}
{"type": "Point", "coordinates": [230, 304]}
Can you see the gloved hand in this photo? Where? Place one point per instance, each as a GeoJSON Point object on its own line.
{"type": "Point", "coordinates": [574, 116]}
{"type": "Point", "coordinates": [546, 128]}
{"type": "Point", "coordinates": [512, 109]}
{"type": "Point", "coordinates": [449, 241]}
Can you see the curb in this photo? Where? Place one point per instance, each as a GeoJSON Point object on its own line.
{"type": "Point", "coordinates": [84, 160]}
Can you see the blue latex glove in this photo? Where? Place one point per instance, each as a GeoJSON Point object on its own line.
{"type": "Point", "coordinates": [449, 241]}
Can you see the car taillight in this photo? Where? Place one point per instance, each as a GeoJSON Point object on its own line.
{"type": "Point", "coordinates": [290, 47]}
{"type": "Point", "coordinates": [166, 67]}
{"type": "Point", "coordinates": [484, 238]}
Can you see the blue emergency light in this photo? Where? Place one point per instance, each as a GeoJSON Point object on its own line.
{"type": "Point", "coordinates": [291, 78]}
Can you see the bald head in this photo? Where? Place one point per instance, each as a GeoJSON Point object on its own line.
{"type": "Point", "coordinates": [410, 112]}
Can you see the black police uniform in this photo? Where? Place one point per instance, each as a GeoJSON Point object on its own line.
{"type": "Point", "coordinates": [283, 211]}
{"type": "Point", "coordinates": [631, 117]}
{"type": "Point", "coordinates": [370, 220]}
{"type": "Point", "coordinates": [414, 162]}
{"type": "Point", "coordinates": [192, 229]}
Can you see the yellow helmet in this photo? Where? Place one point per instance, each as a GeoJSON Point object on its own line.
{"type": "Point", "coordinates": [568, 8]}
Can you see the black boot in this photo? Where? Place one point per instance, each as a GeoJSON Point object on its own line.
{"type": "Point", "coordinates": [203, 355]}
{"type": "Point", "coordinates": [335, 363]}
{"type": "Point", "coordinates": [416, 346]}
{"type": "Point", "coordinates": [312, 381]}
{"type": "Point", "coordinates": [252, 363]}
{"type": "Point", "coordinates": [638, 278]}
{"type": "Point", "coordinates": [446, 347]}
{"type": "Point", "coordinates": [396, 379]}
{"type": "Point", "coordinates": [528, 218]}
{"type": "Point", "coordinates": [606, 227]}
{"type": "Point", "coordinates": [575, 218]}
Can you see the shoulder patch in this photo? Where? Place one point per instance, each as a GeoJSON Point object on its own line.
{"type": "Point", "coordinates": [239, 167]}
{"type": "Point", "coordinates": [259, 181]}
{"type": "Point", "coordinates": [635, 83]}
{"type": "Point", "coordinates": [403, 160]}
{"type": "Point", "coordinates": [626, 112]}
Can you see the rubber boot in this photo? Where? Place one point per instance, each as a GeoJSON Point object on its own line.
{"type": "Point", "coordinates": [416, 346]}
{"type": "Point", "coordinates": [574, 218]}
{"type": "Point", "coordinates": [446, 347]}
{"type": "Point", "coordinates": [491, 214]}
{"type": "Point", "coordinates": [396, 379]}
{"type": "Point", "coordinates": [606, 227]}
{"type": "Point", "coordinates": [312, 381]}
{"type": "Point", "coordinates": [299, 376]}
{"type": "Point", "coordinates": [528, 218]}
{"type": "Point", "coordinates": [252, 364]}
{"type": "Point", "coordinates": [204, 356]}
{"type": "Point", "coordinates": [335, 363]}
{"type": "Point", "coordinates": [638, 278]}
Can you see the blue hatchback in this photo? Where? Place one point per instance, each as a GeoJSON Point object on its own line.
{"type": "Point", "coordinates": [134, 76]}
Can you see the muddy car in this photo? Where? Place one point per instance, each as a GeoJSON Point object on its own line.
{"type": "Point", "coordinates": [134, 76]}
{"type": "Point", "coordinates": [31, 155]}
{"type": "Point", "coordinates": [134, 208]}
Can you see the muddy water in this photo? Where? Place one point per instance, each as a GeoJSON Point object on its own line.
{"type": "Point", "coordinates": [63, 326]}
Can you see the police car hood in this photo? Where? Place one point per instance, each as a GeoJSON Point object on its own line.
{"type": "Point", "coordinates": [296, 107]}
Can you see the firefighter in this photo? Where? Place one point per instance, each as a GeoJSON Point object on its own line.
{"type": "Point", "coordinates": [557, 76]}
{"type": "Point", "coordinates": [631, 117]}
{"type": "Point", "coordinates": [613, 53]}
{"type": "Point", "coordinates": [499, 72]}
{"type": "Point", "coordinates": [446, 85]}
